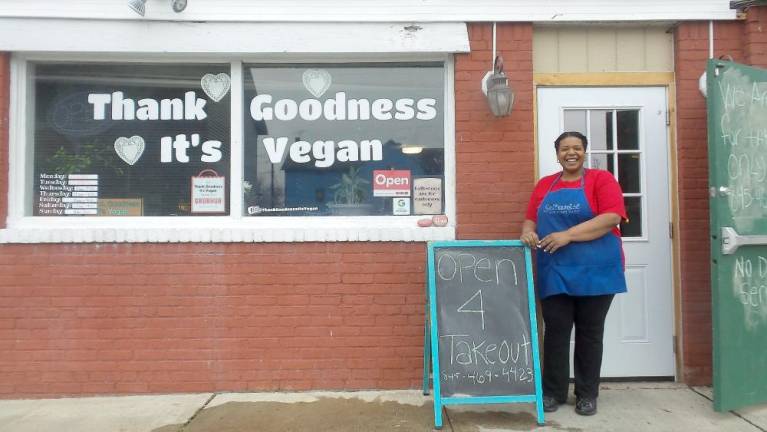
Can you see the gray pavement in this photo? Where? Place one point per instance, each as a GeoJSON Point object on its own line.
{"type": "Point", "coordinates": [632, 407]}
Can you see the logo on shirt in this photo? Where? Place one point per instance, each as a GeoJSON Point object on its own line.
{"type": "Point", "coordinates": [562, 209]}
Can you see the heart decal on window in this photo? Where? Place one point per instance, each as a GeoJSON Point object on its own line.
{"type": "Point", "coordinates": [317, 81]}
{"type": "Point", "coordinates": [216, 86]}
{"type": "Point", "coordinates": [130, 149]}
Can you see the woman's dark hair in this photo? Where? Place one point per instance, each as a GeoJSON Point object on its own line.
{"type": "Point", "coordinates": [573, 134]}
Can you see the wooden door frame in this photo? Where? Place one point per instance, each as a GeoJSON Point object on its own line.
{"type": "Point", "coordinates": [634, 79]}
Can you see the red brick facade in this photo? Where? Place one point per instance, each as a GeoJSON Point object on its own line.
{"type": "Point", "coordinates": [745, 42]}
{"type": "Point", "coordinates": [80, 319]}
{"type": "Point", "coordinates": [158, 318]}
{"type": "Point", "coordinates": [494, 156]}
{"type": "Point", "coordinates": [154, 318]}
{"type": "Point", "coordinates": [755, 37]}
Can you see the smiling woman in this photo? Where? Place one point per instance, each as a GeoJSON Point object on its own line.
{"type": "Point", "coordinates": [571, 150]}
{"type": "Point", "coordinates": [571, 220]}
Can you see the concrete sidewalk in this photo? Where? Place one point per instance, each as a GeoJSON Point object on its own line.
{"type": "Point", "coordinates": [631, 407]}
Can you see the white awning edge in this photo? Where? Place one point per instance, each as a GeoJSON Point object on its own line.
{"type": "Point", "coordinates": [381, 11]}
{"type": "Point", "coordinates": [131, 36]}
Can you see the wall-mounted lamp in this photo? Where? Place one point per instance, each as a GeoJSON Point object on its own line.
{"type": "Point", "coordinates": [500, 97]}
{"type": "Point", "coordinates": [495, 86]}
{"type": "Point", "coordinates": [139, 6]}
{"type": "Point", "coordinates": [179, 5]}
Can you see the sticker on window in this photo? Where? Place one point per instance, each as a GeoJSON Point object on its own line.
{"type": "Point", "coordinates": [208, 192]}
{"type": "Point", "coordinates": [427, 196]}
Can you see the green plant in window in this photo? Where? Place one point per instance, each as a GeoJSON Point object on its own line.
{"type": "Point", "coordinates": [90, 157]}
{"type": "Point", "coordinates": [351, 189]}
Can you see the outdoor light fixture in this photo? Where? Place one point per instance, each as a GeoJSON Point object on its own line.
{"type": "Point", "coordinates": [138, 6]}
{"type": "Point", "coordinates": [495, 86]}
{"type": "Point", "coordinates": [500, 98]}
{"type": "Point", "coordinates": [179, 5]}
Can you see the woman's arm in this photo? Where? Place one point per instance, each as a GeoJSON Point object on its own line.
{"type": "Point", "coordinates": [591, 229]}
{"type": "Point", "coordinates": [529, 236]}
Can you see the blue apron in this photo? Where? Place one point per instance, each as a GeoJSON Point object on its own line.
{"type": "Point", "coordinates": [581, 268]}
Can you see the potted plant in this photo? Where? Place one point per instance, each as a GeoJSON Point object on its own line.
{"type": "Point", "coordinates": [349, 196]}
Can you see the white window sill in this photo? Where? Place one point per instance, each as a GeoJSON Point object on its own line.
{"type": "Point", "coordinates": [221, 230]}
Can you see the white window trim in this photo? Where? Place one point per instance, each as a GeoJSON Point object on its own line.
{"type": "Point", "coordinates": [21, 228]}
{"type": "Point", "coordinates": [213, 38]}
{"type": "Point", "coordinates": [379, 11]}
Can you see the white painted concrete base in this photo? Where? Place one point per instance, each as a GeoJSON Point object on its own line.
{"type": "Point", "coordinates": [635, 407]}
{"type": "Point", "coordinates": [99, 414]}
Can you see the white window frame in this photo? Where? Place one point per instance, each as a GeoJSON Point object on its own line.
{"type": "Point", "coordinates": [641, 150]}
{"type": "Point", "coordinates": [21, 228]}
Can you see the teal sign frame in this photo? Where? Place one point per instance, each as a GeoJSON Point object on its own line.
{"type": "Point", "coordinates": [431, 336]}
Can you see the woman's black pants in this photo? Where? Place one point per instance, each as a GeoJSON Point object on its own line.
{"type": "Point", "coordinates": [588, 314]}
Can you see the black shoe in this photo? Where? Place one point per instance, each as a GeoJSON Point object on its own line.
{"type": "Point", "coordinates": [585, 406]}
{"type": "Point", "coordinates": [550, 404]}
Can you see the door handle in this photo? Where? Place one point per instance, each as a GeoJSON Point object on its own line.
{"type": "Point", "coordinates": [731, 240]}
{"type": "Point", "coordinates": [721, 190]}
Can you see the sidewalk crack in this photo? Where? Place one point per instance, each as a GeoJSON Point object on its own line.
{"type": "Point", "coordinates": [702, 394]}
{"type": "Point", "coordinates": [733, 412]}
{"type": "Point", "coordinates": [191, 419]}
{"type": "Point", "coordinates": [449, 421]}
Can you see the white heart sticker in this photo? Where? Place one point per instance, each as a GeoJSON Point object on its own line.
{"type": "Point", "coordinates": [216, 86]}
{"type": "Point", "coordinates": [317, 81]}
{"type": "Point", "coordinates": [130, 149]}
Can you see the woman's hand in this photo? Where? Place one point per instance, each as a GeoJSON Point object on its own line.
{"type": "Point", "coordinates": [530, 239]}
{"type": "Point", "coordinates": [554, 241]}
{"type": "Point", "coordinates": [529, 236]}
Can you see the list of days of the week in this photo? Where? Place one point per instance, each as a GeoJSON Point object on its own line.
{"type": "Point", "coordinates": [68, 194]}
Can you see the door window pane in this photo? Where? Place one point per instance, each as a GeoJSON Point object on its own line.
{"type": "Point", "coordinates": [629, 172]}
{"type": "Point", "coordinates": [601, 130]}
{"type": "Point", "coordinates": [602, 161]}
{"type": "Point", "coordinates": [344, 139]}
{"type": "Point", "coordinates": [632, 228]}
{"type": "Point", "coordinates": [628, 129]}
{"type": "Point", "coordinates": [131, 139]}
{"type": "Point", "coordinates": [575, 120]}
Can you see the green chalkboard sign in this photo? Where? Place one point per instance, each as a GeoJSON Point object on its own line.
{"type": "Point", "coordinates": [737, 151]}
{"type": "Point", "coordinates": [481, 331]}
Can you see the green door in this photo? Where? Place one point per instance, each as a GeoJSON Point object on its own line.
{"type": "Point", "coordinates": [737, 152]}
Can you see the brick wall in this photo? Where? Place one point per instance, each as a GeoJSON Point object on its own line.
{"type": "Point", "coordinates": [745, 43]}
{"type": "Point", "coordinates": [755, 37]}
{"type": "Point", "coordinates": [84, 319]}
{"type": "Point", "coordinates": [87, 319]}
{"type": "Point", "coordinates": [155, 318]}
{"type": "Point", "coordinates": [494, 156]}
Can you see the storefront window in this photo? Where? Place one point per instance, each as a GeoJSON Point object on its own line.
{"type": "Point", "coordinates": [344, 139]}
{"type": "Point", "coordinates": [111, 151]}
{"type": "Point", "coordinates": [131, 139]}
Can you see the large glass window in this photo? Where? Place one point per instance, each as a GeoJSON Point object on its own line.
{"type": "Point", "coordinates": [343, 139]}
{"type": "Point", "coordinates": [131, 139]}
{"type": "Point", "coordinates": [145, 139]}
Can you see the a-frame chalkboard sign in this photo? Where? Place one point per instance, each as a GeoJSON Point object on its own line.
{"type": "Point", "coordinates": [481, 333]}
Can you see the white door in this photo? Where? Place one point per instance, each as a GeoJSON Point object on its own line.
{"type": "Point", "coordinates": [626, 128]}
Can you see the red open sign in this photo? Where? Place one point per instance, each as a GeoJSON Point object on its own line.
{"type": "Point", "coordinates": [390, 183]}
